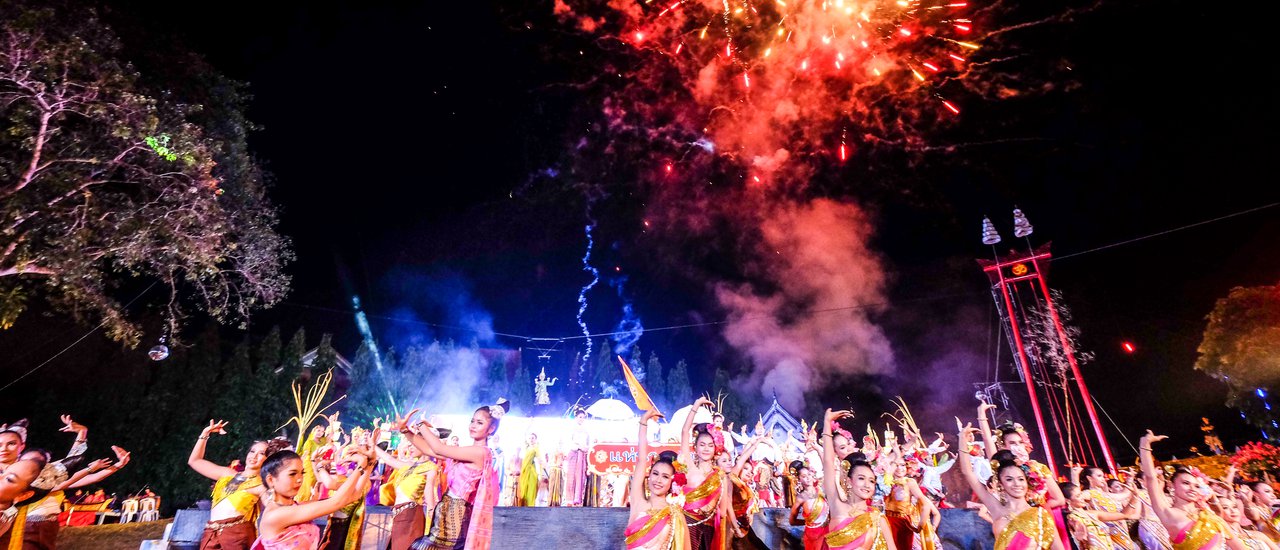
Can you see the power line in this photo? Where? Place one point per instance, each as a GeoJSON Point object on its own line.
{"type": "Point", "coordinates": [1167, 231]}
{"type": "Point", "coordinates": [78, 340]}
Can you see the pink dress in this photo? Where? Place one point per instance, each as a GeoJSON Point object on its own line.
{"type": "Point", "coordinates": [304, 536]}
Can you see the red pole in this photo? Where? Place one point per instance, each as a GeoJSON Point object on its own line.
{"type": "Point", "coordinates": [1075, 371]}
{"type": "Point", "coordinates": [1026, 374]}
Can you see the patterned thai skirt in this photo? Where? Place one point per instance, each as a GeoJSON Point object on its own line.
{"type": "Point", "coordinates": [448, 526]}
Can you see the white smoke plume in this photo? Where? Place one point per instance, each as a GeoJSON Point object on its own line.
{"type": "Point", "coordinates": [807, 321]}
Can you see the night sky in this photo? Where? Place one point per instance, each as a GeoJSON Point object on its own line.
{"type": "Point", "coordinates": [404, 142]}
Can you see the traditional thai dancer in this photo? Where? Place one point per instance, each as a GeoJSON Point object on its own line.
{"type": "Point", "coordinates": [1190, 525]}
{"type": "Point", "coordinates": [1151, 533]}
{"type": "Point", "coordinates": [1262, 501]}
{"type": "Point", "coordinates": [1090, 527]}
{"type": "Point", "coordinates": [310, 447]}
{"type": "Point", "coordinates": [655, 523]}
{"type": "Point", "coordinates": [742, 502]}
{"type": "Point", "coordinates": [810, 508]}
{"type": "Point", "coordinates": [703, 481]}
{"type": "Point", "coordinates": [1018, 524]}
{"type": "Point", "coordinates": [855, 525]}
{"type": "Point", "coordinates": [287, 524]}
{"type": "Point", "coordinates": [234, 514]}
{"type": "Point", "coordinates": [1013, 440]}
{"type": "Point", "coordinates": [1093, 492]}
{"type": "Point", "coordinates": [555, 478]}
{"type": "Point", "coordinates": [412, 488]}
{"type": "Point", "coordinates": [907, 508]}
{"type": "Point", "coordinates": [1231, 509]}
{"type": "Point", "coordinates": [16, 494]}
{"type": "Point", "coordinates": [41, 529]}
{"type": "Point", "coordinates": [575, 465]}
{"type": "Point", "coordinates": [738, 500]}
{"type": "Point", "coordinates": [530, 473]}
{"type": "Point", "coordinates": [464, 516]}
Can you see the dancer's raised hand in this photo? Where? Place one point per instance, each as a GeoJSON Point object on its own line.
{"type": "Point", "coordinates": [71, 425]}
{"type": "Point", "coordinates": [122, 457]}
{"type": "Point", "coordinates": [1150, 438]}
{"type": "Point", "coordinates": [401, 423]}
{"type": "Point", "coordinates": [215, 427]}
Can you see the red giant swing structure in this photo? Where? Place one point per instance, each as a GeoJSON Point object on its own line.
{"type": "Point", "coordinates": [1044, 353]}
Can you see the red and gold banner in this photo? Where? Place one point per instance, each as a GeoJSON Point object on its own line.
{"type": "Point", "coordinates": [620, 458]}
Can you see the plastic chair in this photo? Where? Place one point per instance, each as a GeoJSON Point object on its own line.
{"type": "Point", "coordinates": [150, 509]}
{"type": "Point", "coordinates": [129, 510]}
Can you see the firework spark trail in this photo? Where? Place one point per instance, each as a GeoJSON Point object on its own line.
{"type": "Point", "coordinates": [582, 294]}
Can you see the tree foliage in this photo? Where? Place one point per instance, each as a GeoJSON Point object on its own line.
{"type": "Point", "coordinates": [679, 391]}
{"type": "Point", "coordinates": [107, 178]}
{"type": "Point", "coordinates": [1241, 347]}
{"type": "Point", "coordinates": [1241, 344]}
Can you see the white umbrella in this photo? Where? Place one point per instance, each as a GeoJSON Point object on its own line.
{"type": "Point", "coordinates": [610, 409]}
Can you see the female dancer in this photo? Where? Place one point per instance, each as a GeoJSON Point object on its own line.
{"type": "Point", "coordinates": [235, 494]}
{"type": "Point", "coordinates": [738, 499]}
{"type": "Point", "coordinates": [530, 473]}
{"type": "Point", "coordinates": [810, 508]}
{"type": "Point", "coordinates": [1014, 440]}
{"type": "Point", "coordinates": [555, 478]}
{"type": "Point", "coordinates": [414, 487]}
{"type": "Point", "coordinates": [703, 481]}
{"type": "Point", "coordinates": [1190, 525]}
{"type": "Point", "coordinates": [575, 465]}
{"type": "Point", "coordinates": [855, 525]}
{"type": "Point", "coordinates": [1018, 524]}
{"type": "Point", "coordinates": [1231, 509]}
{"type": "Point", "coordinates": [907, 509]}
{"type": "Point", "coordinates": [1096, 497]}
{"type": "Point", "coordinates": [1151, 533]}
{"type": "Point", "coordinates": [1261, 502]}
{"type": "Point", "coordinates": [41, 529]}
{"type": "Point", "coordinates": [314, 442]}
{"type": "Point", "coordinates": [287, 524]}
{"type": "Point", "coordinates": [1088, 526]}
{"type": "Point", "coordinates": [464, 516]}
{"type": "Point", "coordinates": [654, 523]}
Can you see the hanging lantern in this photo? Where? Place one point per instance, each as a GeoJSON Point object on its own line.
{"type": "Point", "coordinates": [1021, 226]}
{"type": "Point", "coordinates": [989, 234]}
{"type": "Point", "coordinates": [159, 352]}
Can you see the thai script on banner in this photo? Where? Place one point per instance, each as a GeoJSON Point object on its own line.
{"type": "Point", "coordinates": [621, 458]}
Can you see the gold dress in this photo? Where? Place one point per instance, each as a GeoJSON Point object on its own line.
{"type": "Point", "coordinates": [854, 533]}
{"type": "Point", "coordinates": [664, 529]}
{"type": "Point", "coordinates": [1028, 530]}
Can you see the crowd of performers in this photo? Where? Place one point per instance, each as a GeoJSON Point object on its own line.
{"type": "Point", "coordinates": [33, 484]}
{"type": "Point", "coordinates": [847, 494]}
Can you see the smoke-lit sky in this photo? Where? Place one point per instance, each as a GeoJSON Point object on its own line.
{"type": "Point", "coordinates": [413, 148]}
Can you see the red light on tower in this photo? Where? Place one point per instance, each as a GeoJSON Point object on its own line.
{"type": "Point", "coordinates": [1128, 347]}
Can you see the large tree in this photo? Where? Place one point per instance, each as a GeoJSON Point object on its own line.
{"type": "Point", "coordinates": [109, 181]}
{"type": "Point", "coordinates": [1241, 347]}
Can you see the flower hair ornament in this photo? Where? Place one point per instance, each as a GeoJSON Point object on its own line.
{"type": "Point", "coordinates": [502, 407]}
{"type": "Point", "coordinates": [1012, 427]}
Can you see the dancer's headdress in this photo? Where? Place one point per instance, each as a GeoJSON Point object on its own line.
{"type": "Point", "coordinates": [19, 427]}
{"type": "Point", "coordinates": [500, 408]}
{"type": "Point", "coordinates": [1012, 427]}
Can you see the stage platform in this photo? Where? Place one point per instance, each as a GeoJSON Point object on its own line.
{"type": "Point", "coordinates": [601, 528]}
